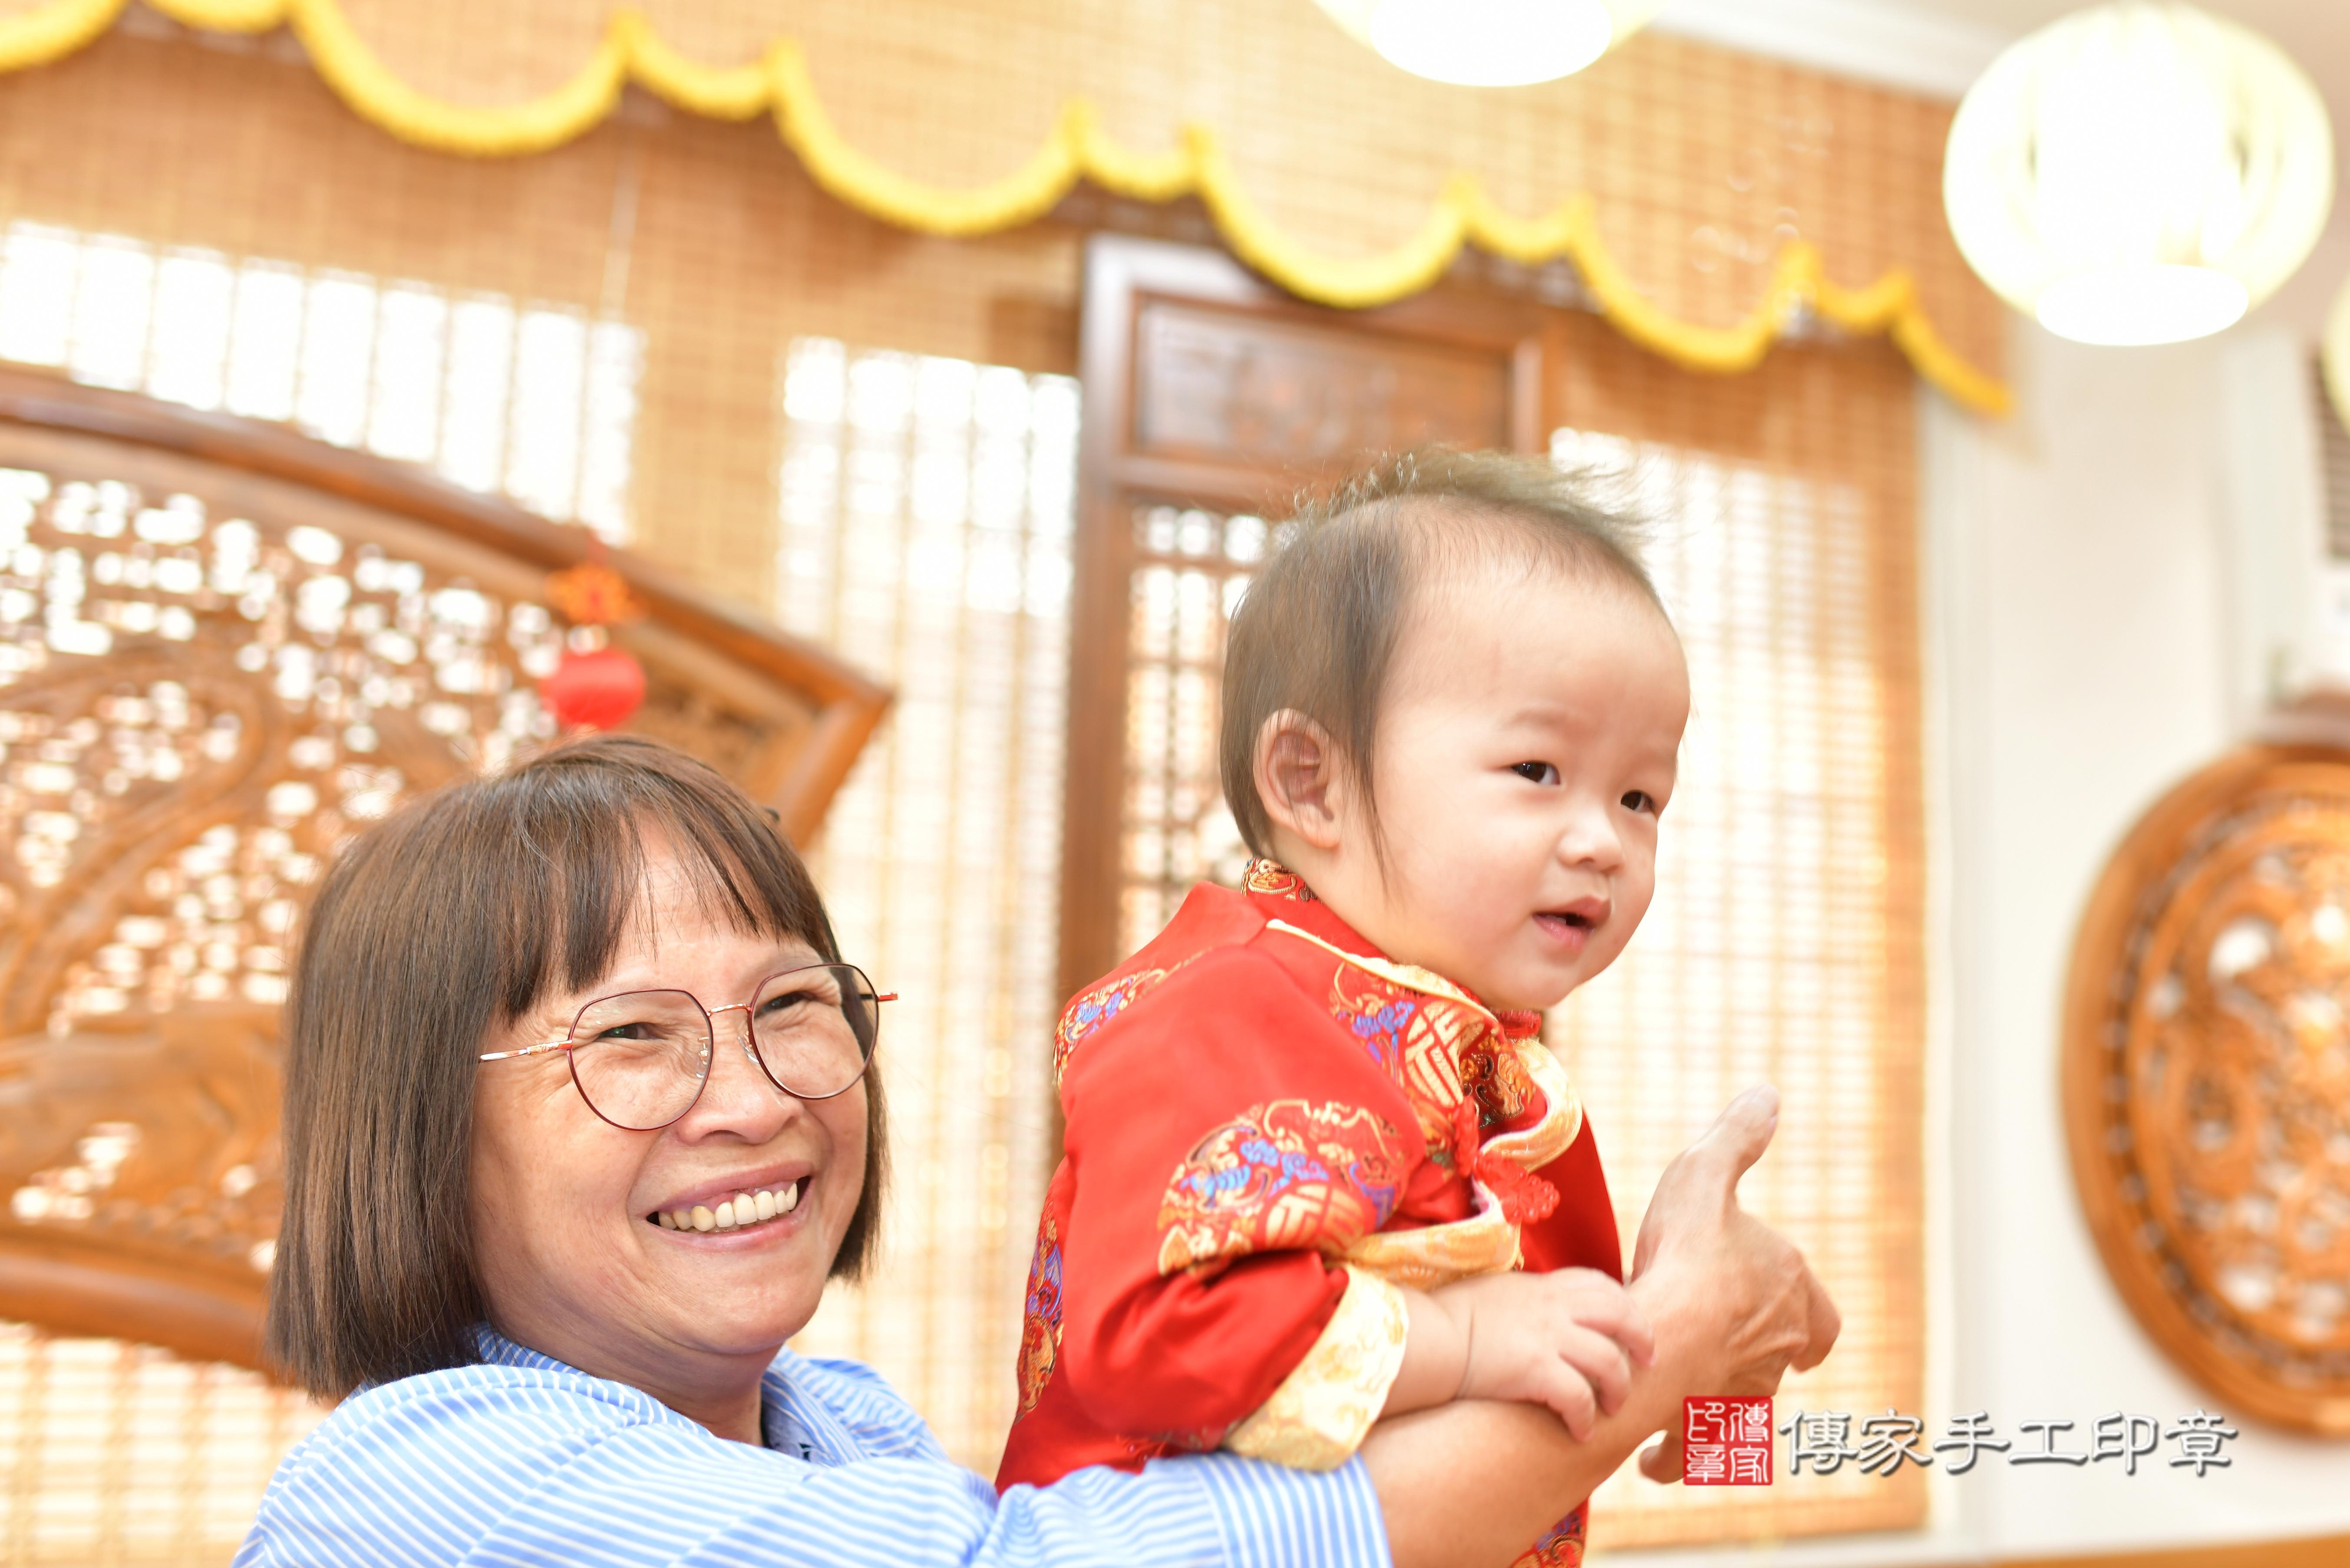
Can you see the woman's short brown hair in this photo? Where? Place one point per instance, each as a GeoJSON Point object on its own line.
{"type": "Point", "coordinates": [452, 918]}
{"type": "Point", "coordinates": [1317, 627]}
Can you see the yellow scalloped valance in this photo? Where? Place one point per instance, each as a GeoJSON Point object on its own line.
{"type": "Point", "coordinates": [1076, 150]}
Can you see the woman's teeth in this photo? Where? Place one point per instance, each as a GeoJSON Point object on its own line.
{"type": "Point", "coordinates": [735, 1212]}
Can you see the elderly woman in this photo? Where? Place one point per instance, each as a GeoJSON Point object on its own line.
{"type": "Point", "coordinates": [579, 1124]}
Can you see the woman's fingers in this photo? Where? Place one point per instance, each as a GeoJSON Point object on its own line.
{"type": "Point", "coordinates": [1661, 1461]}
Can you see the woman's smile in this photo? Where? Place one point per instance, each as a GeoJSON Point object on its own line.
{"type": "Point", "coordinates": [742, 1208]}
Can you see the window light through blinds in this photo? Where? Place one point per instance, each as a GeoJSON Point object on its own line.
{"type": "Point", "coordinates": [117, 1453]}
{"type": "Point", "coordinates": [536, 402]}
{"type": "Point", "coordinates": [1768, 955]}
{"type": "Point", "coordinates": [1783, 944]}
{"type": "Point", "coordinates": [926, 508]}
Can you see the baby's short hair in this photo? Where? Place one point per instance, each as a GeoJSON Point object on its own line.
{"type": "Point", "coordinates": [1317, 627]}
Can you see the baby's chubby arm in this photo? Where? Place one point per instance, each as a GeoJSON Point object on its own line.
{"type": "Point", "coordinates": [1567, 1340]}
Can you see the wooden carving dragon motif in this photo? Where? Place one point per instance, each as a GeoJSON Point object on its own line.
{"type": "Point", "coordinates": [223, 648]}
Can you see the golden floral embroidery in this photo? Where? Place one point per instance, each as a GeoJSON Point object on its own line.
{"type": "Point", "coordinates": [1432, 1255]}
{"type": "Point", "coordinates": [1040, 1323]}
{"type": "Point", "coordinates": [1271, 877]}
{"type": "Point", "coordinates": [1561, 1547]}
{"type": "Point", "coordinates": [1533, 1147]}
{"type": "Point", "coordinates": [1286, 1174]}
{"type": "Point", "coordinates": [1325, 1407]}
{"type": "Point", "coordinates": [1439, 1042]}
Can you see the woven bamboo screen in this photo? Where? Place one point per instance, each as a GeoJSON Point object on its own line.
{"type": "Point", "coordinates": [697, 256]}
{"type": "Point", "coordinates": [1787, 941]}
{"type": "Point", "coordinates": [926, 508]}
{"type": "Point", "coordinates": [1702, 163]}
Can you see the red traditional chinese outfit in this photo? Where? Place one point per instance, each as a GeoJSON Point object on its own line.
{"type": "Point", "coordinates": [1270, 1125]}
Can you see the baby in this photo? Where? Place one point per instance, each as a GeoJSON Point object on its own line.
{"type": "Point", "coordinates": [1319, 1168]}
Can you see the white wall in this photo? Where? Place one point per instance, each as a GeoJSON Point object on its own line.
{"type": "Point", "coordinates": [2110, 575]}
{"type": "Point", "coordinates": [2106, 602]}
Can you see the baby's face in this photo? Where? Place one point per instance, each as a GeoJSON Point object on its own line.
{"type": "Point", "coordinates": [1526, 746]}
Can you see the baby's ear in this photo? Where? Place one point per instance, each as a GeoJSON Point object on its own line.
{"type": "Point", "coordinates": [1297, 777]}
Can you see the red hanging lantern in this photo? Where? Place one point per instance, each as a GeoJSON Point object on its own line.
{"type": "Point", "coordinates": [594, 691]}
{"type": "Point", "coordinates": [597, 686]}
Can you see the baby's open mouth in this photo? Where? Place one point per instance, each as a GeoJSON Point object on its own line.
{"type": "Point", "coordinates": [735, 1214]}
{"type": "Point", "coordinates": [1570, 927]}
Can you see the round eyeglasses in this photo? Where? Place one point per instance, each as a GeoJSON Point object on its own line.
{"type": "Point", "coordinates": [639, 1059]}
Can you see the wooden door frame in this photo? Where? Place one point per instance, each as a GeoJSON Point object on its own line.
{"type": "Point", "coordinates": [1122, 274]}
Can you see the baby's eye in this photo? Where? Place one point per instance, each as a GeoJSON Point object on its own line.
{"type": "Point", "coordinates": [1536, 773]}
{"type": "Point", "coordinates": [1640, 800]}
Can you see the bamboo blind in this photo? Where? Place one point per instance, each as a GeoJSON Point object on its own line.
{"type": "Point", "coordinates": [538, 403]}
{"type": "Point", "coordinates": [926, 507]}
{"type": "Point", "coordinates": [1702, 161]}
{"type": "Point", "coordinates": [112, 1453]}
{"type": "Point", "coordinates": [1786, 939]}
{"type": "Point", "coordinates": [713, 272]}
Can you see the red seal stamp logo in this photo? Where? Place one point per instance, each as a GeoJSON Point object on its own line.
{"type": "Point", "coordinates": [1726, 1442]}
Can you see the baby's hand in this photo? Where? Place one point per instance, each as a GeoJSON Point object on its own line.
{"type": "Point", "coordinates": [1567, 1340]}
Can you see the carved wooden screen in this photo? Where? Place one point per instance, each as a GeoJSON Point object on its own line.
{"type": "Point", "coordinates": [222, 649]}
{"type": "Point", "coordinates": [1210, 399]}
{"type": "Point", "coordinates": [2206, 1089]}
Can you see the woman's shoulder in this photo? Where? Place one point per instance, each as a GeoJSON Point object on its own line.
{"type": "Point", "coordinates": [445, 1461]}
{"type": "Point", "coordinates": [814, 1402]}
{"type": "Point", "coordinates": [843, 1410]}
{"type": "Point", "coordinates": [490, 1414]}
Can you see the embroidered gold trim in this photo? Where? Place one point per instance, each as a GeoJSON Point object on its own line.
{"type": "Point", "coordinates": [1325, 1407]}
{"type": "Point", "coordinates": [1530, 1148]}
{"type": "Point", "coordinates": [1433, 1255]}
{"type": "Point", "coordinates": [1533, 1147]}
{"type": "Point", "coordinates": [1410, 975]}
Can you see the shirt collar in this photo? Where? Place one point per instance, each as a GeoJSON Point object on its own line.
{"type": "Point", "coordinates": [1295, 906]}
{"type": "Point", "coordinates": [789, 1422]}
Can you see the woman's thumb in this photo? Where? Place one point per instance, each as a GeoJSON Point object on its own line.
{"type": "Point", "coordinates": [1739, 1134]}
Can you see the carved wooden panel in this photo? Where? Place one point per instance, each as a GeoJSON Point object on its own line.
{"type": "Point", "coordinates": [2207, 1080]}
{"type": "Point", "coordinates": [223, 650]}
{"type": "Point", "coordinates": [1215, 383]}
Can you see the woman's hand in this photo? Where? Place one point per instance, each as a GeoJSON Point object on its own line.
{"type": "Point", "coordinates": [1696, 1239]}
{"type": "Point", "coordinates": [1731, 1305]}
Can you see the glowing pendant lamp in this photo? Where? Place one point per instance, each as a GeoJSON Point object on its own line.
{"type": "Point", "coordinates": [2138, 172]}
{"type": "Point", "coordinates": [1490, 42]}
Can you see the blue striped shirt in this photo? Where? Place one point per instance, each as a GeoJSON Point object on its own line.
{"type": "Point", "coordinates": [522, 1460]}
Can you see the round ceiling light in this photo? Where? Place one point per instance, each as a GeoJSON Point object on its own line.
{"type": "Point", "coordinates": [1490, 42]}
{"type": "Point", "coordinates": [2138, 172]}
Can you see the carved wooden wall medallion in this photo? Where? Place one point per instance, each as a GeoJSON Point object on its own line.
{"type": "Point", "coordinates": [223, 648]}
{"type": "Point", "coordinates": [2207, 1080]}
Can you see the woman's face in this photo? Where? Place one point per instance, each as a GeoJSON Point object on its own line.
{"type": "Point", "coordinates": [571, 1256]}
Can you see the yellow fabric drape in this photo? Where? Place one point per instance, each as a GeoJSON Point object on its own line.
{"type": "Point", "coordinates": [1076, 150]}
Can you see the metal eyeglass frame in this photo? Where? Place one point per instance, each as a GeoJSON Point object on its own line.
{"type": "Point", "coordinates": [567, 1044]}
